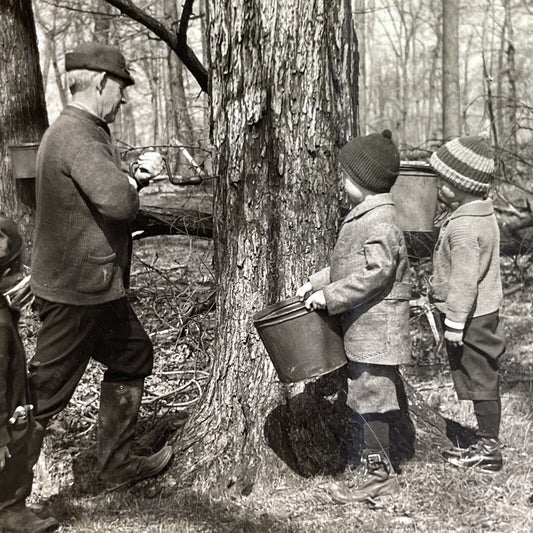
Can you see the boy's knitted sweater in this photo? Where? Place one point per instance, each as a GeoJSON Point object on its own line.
{"type": "Point", "coordinates": [466, 278]}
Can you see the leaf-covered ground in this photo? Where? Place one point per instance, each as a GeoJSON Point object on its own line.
{"type": "Point", "coordinates": [172, 293]}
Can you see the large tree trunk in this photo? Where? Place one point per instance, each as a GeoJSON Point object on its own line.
{"type": "Point", "coordinates": [283, 95]}
{"type": "Point", "coordinates": [23, 116]}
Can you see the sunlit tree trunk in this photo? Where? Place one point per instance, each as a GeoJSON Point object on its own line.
{"type": "Point", "coordinates": [283, 100]}
{"type": "Point", "coordinates": [451, 111]}
{"type": "Point", "coordinates": [23, 116]}
{"type": "Point", "coordinates": [103, 24]}
{"type": "Point", "coordinates": [511, 77]}
{"type": "Point", "coordinates": [178, 112]}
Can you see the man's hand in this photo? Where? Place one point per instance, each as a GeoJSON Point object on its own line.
{"type": "Point", "coordinates": [455, 338]}
{"type": "Point", "coordinates": [304, 290]}
{"type": "Point", "coordinates": [317, 300]}
{"type": "Point", "coordinates": [148, 166]}
{"type": "Point", "coordinates": [4, 456]}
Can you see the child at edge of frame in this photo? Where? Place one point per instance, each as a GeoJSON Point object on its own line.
{"type": "Point", "coordinates": [466, 289]}
{"type": "Point", "coordinates": [367, 285]}
{"type": "Point", "coordinates": [16, 424]}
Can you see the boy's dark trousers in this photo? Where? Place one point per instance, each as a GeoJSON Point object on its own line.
{"type": "Point", "coordinates": [16, 477]}
{"type": "Point", "coordinates": [475, 369]}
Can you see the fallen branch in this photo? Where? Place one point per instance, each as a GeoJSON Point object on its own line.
{"type": "Point", "coordinates": [152, 220]}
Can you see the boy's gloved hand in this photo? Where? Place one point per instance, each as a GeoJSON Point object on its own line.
{"type": "Point", "coordinates": [304, 290]}
{"type": "Point", "coordinates": [317, 300]}
{"type": "Point", "coordinates": [4, 456]}
{"type": "Point", "coordinates": [455, 338]}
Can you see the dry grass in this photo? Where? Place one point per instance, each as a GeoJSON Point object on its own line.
{"type": "Point", "coordinates": [171, 277]}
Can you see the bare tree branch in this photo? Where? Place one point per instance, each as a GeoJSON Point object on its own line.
{"type": "Point", "coordinates": [184, 22]}
{"type": "Point", "coordinates": [174, 41]}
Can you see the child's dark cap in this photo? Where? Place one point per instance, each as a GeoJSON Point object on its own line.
{"type": "Point", "coordinates": [372, 161]}
{"type": "Point", "coordinates": [11, 243]}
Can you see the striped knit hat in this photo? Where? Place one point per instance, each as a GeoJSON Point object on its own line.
{"type": "Point", "coordinates": [372, 161]}
{"type": "Point", "coordinates": [467, 163]}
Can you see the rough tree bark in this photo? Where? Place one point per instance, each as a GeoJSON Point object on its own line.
{"type": "Point", "coordinates": [23, 115]}
{"type": "Point", "coordinates": [283, 100]}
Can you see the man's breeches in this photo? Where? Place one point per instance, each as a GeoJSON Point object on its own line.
{"type": "Point", "coordinates": [70, 335]}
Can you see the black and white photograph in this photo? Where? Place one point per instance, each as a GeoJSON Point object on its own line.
{"type": "Point", "coordinates": [266, 266]}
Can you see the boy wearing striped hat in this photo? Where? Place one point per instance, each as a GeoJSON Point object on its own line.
{"type": "Point", "coordinates": [466, 288]}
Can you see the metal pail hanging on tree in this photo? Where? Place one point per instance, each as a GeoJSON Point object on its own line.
{"type": "Point", "coordinates": [23, 159]}
{"type": "Point", "coordinates": [415, 196]}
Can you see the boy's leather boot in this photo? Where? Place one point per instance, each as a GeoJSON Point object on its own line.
{"type": "Point", "coordinates": [484, 455]}
{"type": "Point", "coordinates": [375, 477]}
{"type": "Point", "coordinates": [17, 518]}
{"type": "Point", "coordinates": [119, 408]}
{"type": "Point", "coordinates": [378, 478]}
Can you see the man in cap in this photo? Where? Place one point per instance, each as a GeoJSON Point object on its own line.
{"type": "Point", "coordinates": [80, 264]}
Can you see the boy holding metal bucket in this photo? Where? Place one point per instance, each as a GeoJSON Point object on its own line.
{"type": "Point", "coordinates": [367, 286]}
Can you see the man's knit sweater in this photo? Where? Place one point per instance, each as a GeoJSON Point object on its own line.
{"type": "Point", "coordinates": [466, 278]}
{"type": "Point", "coordinates": [85, 202]}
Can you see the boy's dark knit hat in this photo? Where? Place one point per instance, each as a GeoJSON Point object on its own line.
{"type": "Point", "coordinates": [99, 57]}
{"type": "Point", "coordinates": [10, 241]}
{"type": "Point", "coordinates": [467, 163]}
{"type": "Point", "coordinates": [372, 161]}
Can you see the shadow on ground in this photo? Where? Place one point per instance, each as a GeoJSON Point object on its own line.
{"type": "Point", "coordinates": [180, 510]}
{"type": "Point", "coordinates": [316, 433]}
{"type": "Point", "coordinates": [85, 466]}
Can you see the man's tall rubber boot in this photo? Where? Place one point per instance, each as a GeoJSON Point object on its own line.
{"type": "Point", "coordinates": [117, 418]}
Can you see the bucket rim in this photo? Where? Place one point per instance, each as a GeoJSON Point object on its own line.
{"type": "Point", "coordinates": [418, 166]}
{"type": "Point", "coordinates": [276, 307]}
{"type": "Point", "coordinates": [23, 145]}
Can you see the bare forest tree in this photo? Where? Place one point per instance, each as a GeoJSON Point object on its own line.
{"type": "Point", "coordinates": [23, 115]}
{"type": "Point", "coordinates": [283, 100]}
{"type": "Point", "coordinates": [451, 113]}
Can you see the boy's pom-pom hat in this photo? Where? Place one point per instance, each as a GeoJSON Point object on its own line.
{"type": "Point", "coordinates": [372, 161]}
{"type": "Point", "coordinates": [467, 163]}
{"type": "Point", "coordinates": [10, 241]}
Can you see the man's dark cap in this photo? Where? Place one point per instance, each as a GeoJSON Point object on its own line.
{"type": "Point", "coordinates": [99, 57]}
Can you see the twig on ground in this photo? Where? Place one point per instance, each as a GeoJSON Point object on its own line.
{"type": "Point", "coordinates": [174, 392]}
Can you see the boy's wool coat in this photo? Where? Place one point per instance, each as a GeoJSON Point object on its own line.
{"type": "Point", "coordinates": [13, 387]}
{"type": "Point", "coordinates": [367, 284]}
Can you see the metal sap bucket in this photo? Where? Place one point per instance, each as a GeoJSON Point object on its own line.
{"type": "Point", "coordinates": [415, 196]}
{"type": "Point", "coordinates": [23, 159]}
{"type": "Point", "coordinates": [302, 344]}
